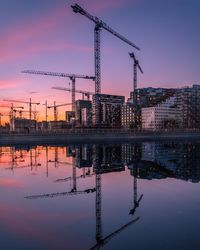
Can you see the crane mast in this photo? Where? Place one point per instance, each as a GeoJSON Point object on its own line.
{"type": "Point", "coordinates": [99, 24]}
{"type": "Point", "coordinates": [46, 111]}
{"type": "Point", "coordinates": [136, 66]}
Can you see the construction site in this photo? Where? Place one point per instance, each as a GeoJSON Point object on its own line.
{"type": "Point", "coordinates": [93, 110]}
{"type": "Point", "coordinates": [149, 108]}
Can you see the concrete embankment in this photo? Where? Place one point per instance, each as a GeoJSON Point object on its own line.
{"type": "Point", "coordinates": [76, 137]}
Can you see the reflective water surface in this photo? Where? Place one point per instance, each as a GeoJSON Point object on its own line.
{"type": "Point", "coordinates": [95, 196]}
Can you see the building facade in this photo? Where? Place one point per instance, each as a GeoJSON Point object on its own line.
{"type": "Point", "coordinates": [108, 110]}
{"type": "Point", "coordinates": [147, 97]}
{"type": "Point", "coordinates": [188, 103]}
{"type": "Point", "coordinates": [24, 125]}
{"type": "Point", "coordinates": [164, 115]}
{"type": "Point", "coordinates": [150, 97]}
{"type": "Point", "coordinates": [70, 116]}
{"type": "Point", "coordinates": [83, 113]}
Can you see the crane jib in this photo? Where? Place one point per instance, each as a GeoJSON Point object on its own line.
{"type": "Point", "coordinates": [78, 9]}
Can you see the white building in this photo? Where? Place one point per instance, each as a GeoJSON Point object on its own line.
{"type": "Point", "coordinates": [164, 115]}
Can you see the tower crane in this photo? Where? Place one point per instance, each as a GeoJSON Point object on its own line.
{"type": "Point", "coordinates": [72, 77]}
{"type": "Point", "coordinates": [30, 105]}
{"type": "Point", "coordinates": [99, 24]}
{"type": "Point", "coordinates": [12, 123]}
{"type": "Point", "coordinates": [12, 107]}
{"type": "Point", "coordinates": [46, 110]}
{"type": "Point", "coordinates": [55, 109]}
{"type": "Point", "coordinates": [84, 93]}
{"type": "Point", "coordinates": [136, 66]}
{"type": "Point", "coordinates": [23, 111]}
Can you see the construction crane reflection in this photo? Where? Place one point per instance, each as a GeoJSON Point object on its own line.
{"type": "Point", "coordinates": [19, 155]}
{"type": "Point", "coordinates": [52, 195]}
{"type": "Point", "coordinates": [100, 164]}
{"type": "Point", "coordinates": [136, 201]}
{"type": "Point", "coordinates": [102, 242]}
{"type": "Point", "coordinates": [73, 191]}
{"type": "Point", "coordinates": [103, 159]}
{"type": "Point", "coordinates": [134, 171]}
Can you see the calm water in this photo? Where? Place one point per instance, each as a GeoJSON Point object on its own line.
{"type": "Point", "coordinates": [121, 196]}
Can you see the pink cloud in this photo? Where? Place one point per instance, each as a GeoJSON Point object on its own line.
{"type": "Point", "coordinates": [29, 29]}
{"type": "Point", "coordinates": [10, 84]}
{"type": "Point", "coordinates": [34, 37]}
{"type": "Point", "coordinates": [22, 39]}
{"type": "Point", "coordinates": [41, 48]}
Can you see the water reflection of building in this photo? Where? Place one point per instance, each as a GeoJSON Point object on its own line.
{"type": "Point", "coordinates": [109, 158]}
{"type": "Point", "coordinates": [180, 160]}
{"type": "Point", "coordinates": [105, 158]}
{"type": "Point", "coordinates": [131, 153]}
{"type": "Point", "coordinates": [163, 154]}
{"type": "Point", "coordinates": [148, 160]}
{"type": "Point", "coordinates": [83, 156]}
{"type": "Point", "coordinates": [144, 160]}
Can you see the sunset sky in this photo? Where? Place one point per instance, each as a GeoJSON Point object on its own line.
{"type": "Point", "coordinates": [48, 35]}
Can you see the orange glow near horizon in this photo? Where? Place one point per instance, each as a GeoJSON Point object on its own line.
{"type": "Point", "coordinates": [41, 116]}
